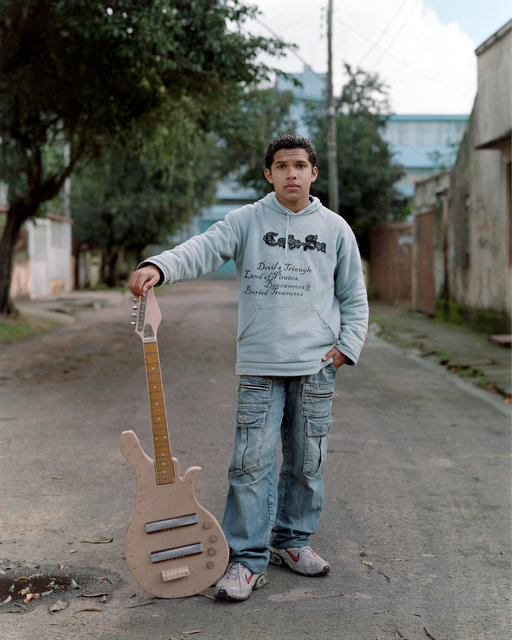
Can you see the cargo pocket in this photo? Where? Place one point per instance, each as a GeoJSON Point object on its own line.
{"type": "Point", "coordinates": [253, 402]}
{"type": "Point", "coordinates": [316, 409]}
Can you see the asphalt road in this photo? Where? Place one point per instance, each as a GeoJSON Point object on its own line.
{"type": "Point", "coordinates": [416, 521]}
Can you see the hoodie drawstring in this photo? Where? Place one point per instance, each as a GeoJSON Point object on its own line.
{"type": "Point", "coordinates": [286, 238]}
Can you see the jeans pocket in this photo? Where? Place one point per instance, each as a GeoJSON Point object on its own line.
{"type": "Point", "coordinates": [315, 449]}
{"type": "Point", "coordinates": [317, 399]}
{"type": "Point", "coordinates": [250, 427]}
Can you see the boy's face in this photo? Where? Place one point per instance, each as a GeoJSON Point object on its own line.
{"type": "Point", "coordinates": [291, 174]}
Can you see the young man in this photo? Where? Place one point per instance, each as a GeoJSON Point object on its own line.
{"type": "Point", "coordinates": [303, 313]}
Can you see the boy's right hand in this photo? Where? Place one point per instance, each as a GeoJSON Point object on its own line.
{"type": "Point", "coordinates": [143, 279]}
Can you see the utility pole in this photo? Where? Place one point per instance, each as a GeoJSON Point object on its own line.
{"type": "Point", "coordinates": [332, 164]}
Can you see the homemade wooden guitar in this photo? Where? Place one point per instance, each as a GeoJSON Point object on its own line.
{"type": "Point", "coordinates": [174, 548]}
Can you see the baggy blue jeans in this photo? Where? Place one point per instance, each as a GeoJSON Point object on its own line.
{"type": "Point", "coordinates": [260, 511]}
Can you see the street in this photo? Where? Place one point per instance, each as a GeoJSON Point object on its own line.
{"type": "Point", "coordinates": [416, 521]}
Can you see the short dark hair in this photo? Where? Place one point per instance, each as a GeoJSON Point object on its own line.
{"type": "Point", "coordinates": [289, 141]}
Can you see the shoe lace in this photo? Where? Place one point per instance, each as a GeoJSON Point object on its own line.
{"type": "Point", "coordinates": [232, 570]}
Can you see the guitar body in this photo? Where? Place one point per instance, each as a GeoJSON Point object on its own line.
{"type": "Point", "coordinates": [173, 546]}
{"type": "Point", "coordinates": [156, 503]}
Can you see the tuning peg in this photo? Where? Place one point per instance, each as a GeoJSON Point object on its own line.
{"type": "Point", "coordinates": [135, 306]}
{"type": "Point", "coordinates": [133, 323]}
{"type": "Point", "coordinates": [134, 315]}
{"type": "Point", "coordinates": [135, 300]}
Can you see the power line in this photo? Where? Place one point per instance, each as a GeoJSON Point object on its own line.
{"type": "Point", "coordinates": [398, 59]}
{"type": "Point", "coordinates": [397, 33]}
{"type": "Point", "coordinates": [382, 33]}
{"type": "Point", "coordinates": [321, 76]}
{"type": "Point", "coordinates": [276, 35]}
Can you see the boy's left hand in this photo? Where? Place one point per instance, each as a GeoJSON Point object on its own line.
{"type": "Point", "coordinates": [338, 359]}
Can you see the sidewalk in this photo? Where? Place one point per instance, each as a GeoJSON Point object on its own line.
{"type": "Point", "coordinates": [66, 308]}
{"type": "Point", "coordinates": [468, 353]}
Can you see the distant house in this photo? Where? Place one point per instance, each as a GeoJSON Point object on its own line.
{"type": "Point", "coordinates": [423, 144]}
{"type": "Point", "coordinates": [43, 257]}
{"type": "Point", "coordinates": [462, 258]}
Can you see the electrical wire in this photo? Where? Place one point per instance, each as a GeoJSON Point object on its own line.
{"type": "Point", "coordinates": [409, 15]}
{"type": "Point", "coordinates": [383, 33]}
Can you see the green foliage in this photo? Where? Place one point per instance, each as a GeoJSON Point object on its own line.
{"type": "Point", "coordinates": [246, 131]}
{"type": "Point", "coordinates": [366, 175]}
{"type": "Point", "coordinates": [89, 73]}
{"type": "Point", "coordinates": [134, 196]}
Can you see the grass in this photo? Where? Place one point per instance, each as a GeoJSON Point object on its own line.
{"type": "Point", "coordinates": [12, 329]}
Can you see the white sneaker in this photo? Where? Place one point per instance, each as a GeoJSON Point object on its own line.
{"type": "Point", "coordinates": [238, 582]}
{"type": "Point", "coordinates": [302, 560]}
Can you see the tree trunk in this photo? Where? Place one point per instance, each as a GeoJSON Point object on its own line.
{"type": "Point", "coordinates": [16, 216]}
{"type": "Point", "coordinates": [110, 264]}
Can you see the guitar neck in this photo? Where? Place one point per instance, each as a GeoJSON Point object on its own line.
{"type": "Point", "coordinates": [162, 447]}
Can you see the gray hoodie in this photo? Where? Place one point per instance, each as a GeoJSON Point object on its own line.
{"type": "Point", "coordinates": [301, 284]}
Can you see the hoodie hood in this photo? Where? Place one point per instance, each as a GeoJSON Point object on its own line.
{"type": "Point", "coordinates": [271, 201]}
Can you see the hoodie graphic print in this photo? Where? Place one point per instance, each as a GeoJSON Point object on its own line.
{"type": "Point", "coordinates": [300, 280]}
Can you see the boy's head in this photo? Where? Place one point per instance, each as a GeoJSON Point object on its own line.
{"type": "Point", "coordinates": [291, 168]}
{"type": "Point", "coordinates": [289, 141]}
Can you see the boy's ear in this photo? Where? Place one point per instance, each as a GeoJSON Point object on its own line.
{"type": "Point", "coordinates": [315, 174]}
{"type": "Point", "coordinates": [268, 175]}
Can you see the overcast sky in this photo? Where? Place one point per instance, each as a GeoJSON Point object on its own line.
{"type": "Point", "coordinates": [423, 49]}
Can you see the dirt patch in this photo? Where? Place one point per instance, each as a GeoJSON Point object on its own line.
{"type": "Point", "coordinates": [24, 586]}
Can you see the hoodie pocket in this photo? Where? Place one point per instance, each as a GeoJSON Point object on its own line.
{"type": "Point", "coordinates": [285, 334]}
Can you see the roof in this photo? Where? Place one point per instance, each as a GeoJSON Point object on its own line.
{"type": "Point", "coordinates": [413, 117]}
{"type": "Point", "coordinates": [495, 36]}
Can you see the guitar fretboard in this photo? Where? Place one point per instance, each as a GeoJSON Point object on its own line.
{"type": "Point", "coordinates": [163, 459]}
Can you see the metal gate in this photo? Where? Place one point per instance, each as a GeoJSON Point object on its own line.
{"type": "Point", "coordinates": [425, 290]}
{"type": "Point", "coordinates": [390, 261]}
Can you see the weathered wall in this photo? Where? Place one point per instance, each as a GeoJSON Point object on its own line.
{"type": "Point", "coordinates": [431, 197]}
{"type": "Point", "coordinates": [479, 265]}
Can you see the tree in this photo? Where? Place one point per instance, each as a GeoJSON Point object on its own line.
{"type": "Point", "coordinates": [245, 132]}
{"type": "Point", "coordinates": [87, 73]}
{"type": "Point", "coordinates": [138, 194]}
{"type": "Point", "coordinates": [366, 174]}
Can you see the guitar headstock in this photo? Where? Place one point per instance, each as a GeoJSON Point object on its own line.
{"type": "Point", "coordinates": [146, 316]}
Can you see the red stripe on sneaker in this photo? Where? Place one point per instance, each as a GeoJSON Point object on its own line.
{"type": "Point", "coordinates": [249, 578]}
{"type": "Point", "coordinates": [294, 558]}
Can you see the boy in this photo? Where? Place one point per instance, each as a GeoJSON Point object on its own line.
{"type": "Point", "coordinates": [303, 313]}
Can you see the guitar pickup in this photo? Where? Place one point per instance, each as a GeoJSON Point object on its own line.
{"type": "Point", "coordinates": [177, 552]}
{"type": "Point", "coordinates": [175, 574]}
{"type": "Point", "coordinates": [171, 523]}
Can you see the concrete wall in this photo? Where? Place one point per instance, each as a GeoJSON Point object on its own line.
{"type": "Point", "coordinates": [493, 100]}
{"type": "Point", "coordinates": [47, 267]}
{"type": "Point", "coordinates": [431, 196]}
{"type": "Point", "coordinates": [480, 177]}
